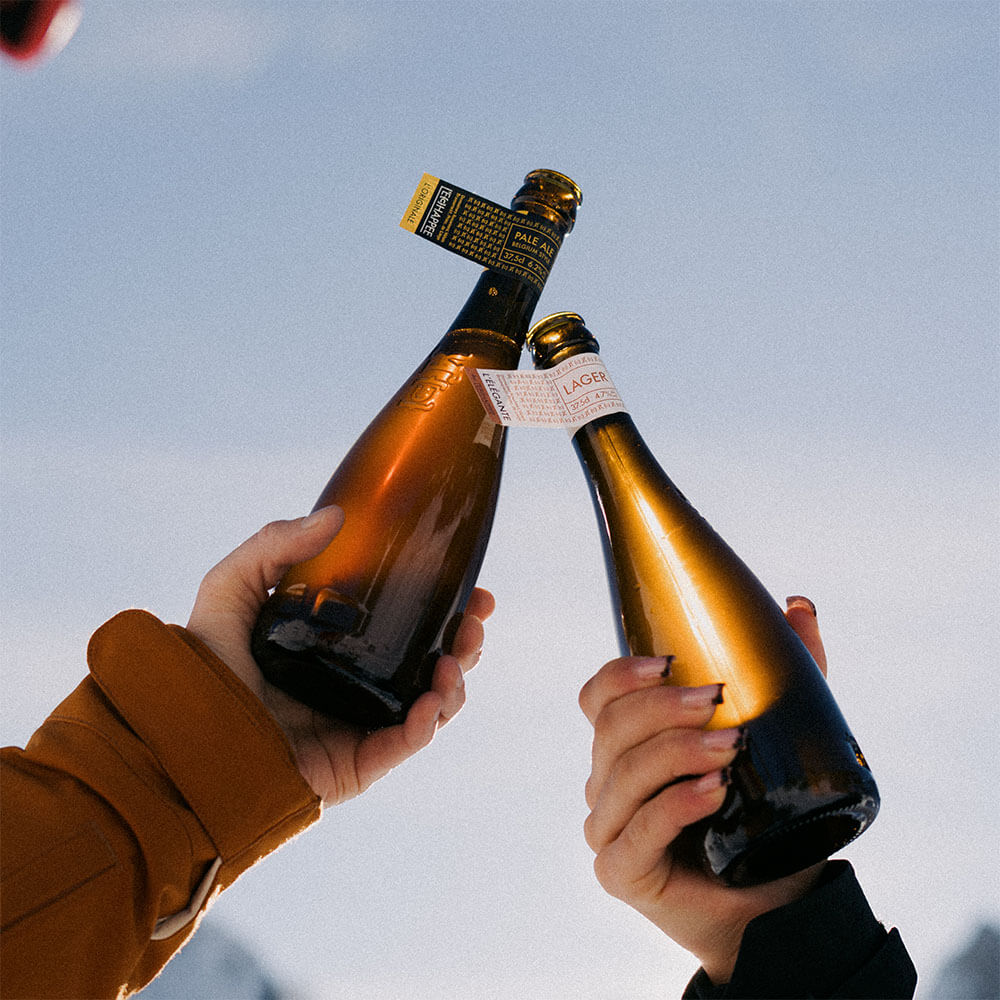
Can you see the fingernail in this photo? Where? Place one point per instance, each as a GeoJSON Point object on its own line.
{"type": "Point", "coordinates": [652, 666]}
{"type": "Point", "coordinates": [712, 781]}
{"type": "Point", "coordinates": [724, 739]}
{"type": "Point", "coordinates": [702, 697]}
{"type": "Point", "coordinates": [316, 516]}
{"type": "Point", "coordinates": [799, 599]}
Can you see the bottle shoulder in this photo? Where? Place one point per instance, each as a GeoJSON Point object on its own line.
{"type": "Point", "coordinates": [622, 468]}
{"type": "Point", "coordinates": [615, 434]}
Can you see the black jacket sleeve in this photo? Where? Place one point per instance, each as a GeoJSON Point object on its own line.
{"type": "Point", "coordinates": [826, 945]}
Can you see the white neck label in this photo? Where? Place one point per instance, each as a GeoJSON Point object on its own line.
{"type": "Point", "coordinates": [570, 395]}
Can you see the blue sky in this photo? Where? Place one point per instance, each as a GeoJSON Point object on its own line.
{"type": "Point", "coordinates": [788, 249]}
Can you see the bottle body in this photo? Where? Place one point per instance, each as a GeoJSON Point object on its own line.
{"type": "Point", "coordinates": [800, 789]}
{"type": "Point", "coordinates": [355, 632]}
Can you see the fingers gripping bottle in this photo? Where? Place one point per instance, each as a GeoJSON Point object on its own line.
{"type": "Point", "coordinates": [355, 632]}
{"type": "Point", "coordinates": [800, 788]}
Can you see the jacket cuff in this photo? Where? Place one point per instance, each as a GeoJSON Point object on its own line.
{"type": "Point", "coordinates": [827, 944]}
{"type": "Point", "coordinates": [209, 733]}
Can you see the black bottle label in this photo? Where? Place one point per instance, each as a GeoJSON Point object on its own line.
{"type": "Point", "coordinates": [491, 235]}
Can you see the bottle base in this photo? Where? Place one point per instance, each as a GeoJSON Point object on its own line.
{"type": "Point", "coordinates": [791, 848]}
{"type": "Point", "coordinates": [332, 689]}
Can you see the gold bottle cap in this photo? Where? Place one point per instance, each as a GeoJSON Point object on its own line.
{"type": "Point", "coordinates": [556, 335]}
{"type": "Point", "coordinates": [550, 194]}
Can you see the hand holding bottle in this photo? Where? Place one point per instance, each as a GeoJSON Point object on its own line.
{"type": "Point", "coordinates": [800, 788]}
{"type": "Point", "coordinates": [339, 761]}
{"type": "Point", "coordinates": [657, 769]}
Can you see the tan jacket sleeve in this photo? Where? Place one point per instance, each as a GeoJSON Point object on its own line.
{"type": "Point", "coordinates": [157, 782]}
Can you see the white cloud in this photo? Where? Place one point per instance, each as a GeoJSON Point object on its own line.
{"type": "Point", "coordinates": [177, 41]}
{"type": "Point", "coordinates": [226, 42]}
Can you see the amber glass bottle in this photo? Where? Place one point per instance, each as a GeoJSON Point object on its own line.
{"type": "Point", "coordinates": [800, 788]}
{"type": "Point", "coordinates": [355, 631]}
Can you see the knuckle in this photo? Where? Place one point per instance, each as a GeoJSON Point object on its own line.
{"type": "Point", "coordinates": [629, 769]}
{"type": "Point", "coordinates": [608, 873]}
{"type": "Point", "coordinates": [604, 685]}
{"type": "Point", "coordinates": [642, 828]}
{"type": "Point", "coordinates": [209, 581]}
{"type": "Point", "coordinates": [640, 835]}
{"type": "Point", "coordinates": [269, 533]}
{"type": "Point", "coordinates": [607, 724]}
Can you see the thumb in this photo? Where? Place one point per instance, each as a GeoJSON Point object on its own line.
{"type": "Point", "coordinates": [278, 546]}
{"type": "Point", "coordinates": [801, 615]}
{"type": "Point", "coordinates": [241, 581]}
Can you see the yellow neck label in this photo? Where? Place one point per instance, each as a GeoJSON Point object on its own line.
{"type": "Point", "coordinates": [569, 395]}
{"type": "Point", "coordinates": [491, 235]}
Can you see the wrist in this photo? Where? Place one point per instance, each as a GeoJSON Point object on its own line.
{"type": "Point", "coordinates": [719, 960]}
{"type": "Point", "coordinates": [722, 948]}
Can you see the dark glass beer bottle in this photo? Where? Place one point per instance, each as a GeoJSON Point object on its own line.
{"type": "Point", "coordinates": [355, 631]}
{"type": "Point", "coordinates": [800, 788]}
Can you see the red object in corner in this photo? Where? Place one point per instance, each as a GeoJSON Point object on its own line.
{"type": "Point", "coordinates": [30, 29]}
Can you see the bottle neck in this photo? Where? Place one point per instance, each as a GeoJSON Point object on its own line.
{"type": "Point", "coordinates": [610, 446]}
{"type": "Point", "coordinates": [500, 303]}
{"type": "Point", "coordinates": [614, 452]}
{"type": "Point", "coordinates": [620, 423]}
